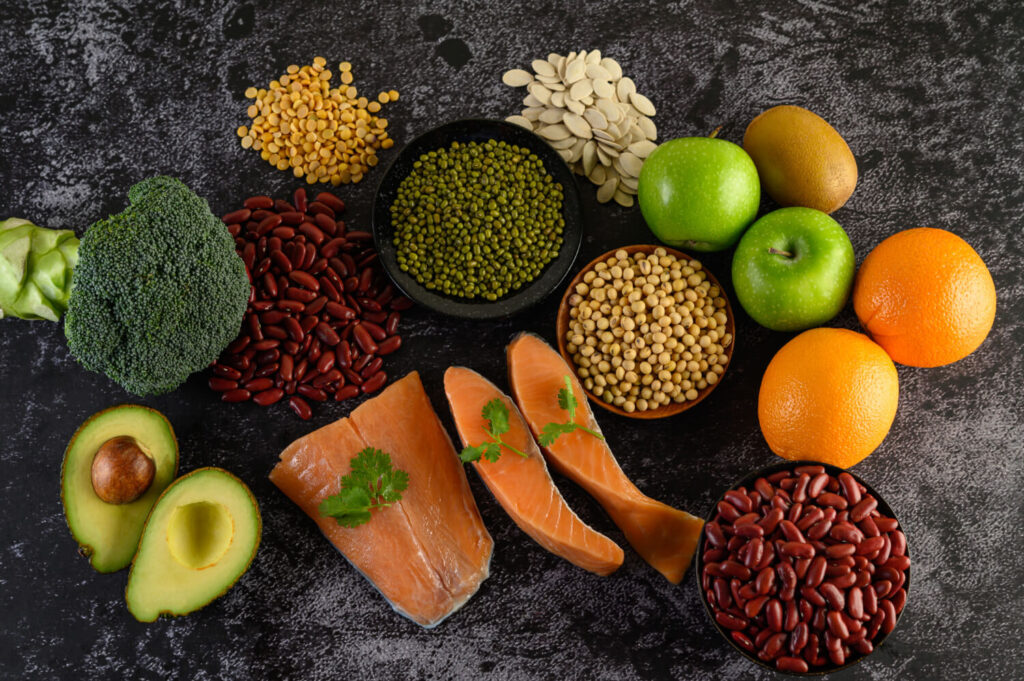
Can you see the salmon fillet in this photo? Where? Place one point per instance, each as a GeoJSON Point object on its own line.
{"type": "Point", "coordinates": [664, 536]}
{"type": "Point", "coordinates": [428, 553]}
{"type": "Point", "coordinates": [524, 487]}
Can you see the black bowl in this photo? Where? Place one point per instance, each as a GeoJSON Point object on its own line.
{"type": "Point", "coordinates": [748, 482]}
{"type": "Point", "coordinates": [478, 130]}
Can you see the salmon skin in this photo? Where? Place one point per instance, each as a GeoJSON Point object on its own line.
{"type": "Point", "coordinates": [428, 553]}
{"type": "Point", "coordinates": [523, 486]}
{"type": "Point", "coordinates": [664, 536]}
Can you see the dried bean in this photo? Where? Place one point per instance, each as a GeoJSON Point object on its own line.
{"type": "Point", "coordinates": [328, 199]}
{"type": "Point", "coordinates": [834, 500]}
{"type": "Point", "coordinates": [265, 370]}
{"type": "Point", "coordinates": [400, 304]}
{"type": "Point", "coordinates": [226, 372]}
{"type": "Point", "coordinates": [220, 385]}
{"type": "Point", "coordinates": [824, 530]}
{"type": "Point", "coordinates": [375, 365]}
{"type": "Point", "coordinates": [300, 407]}
{"type": "Point", "coordinates": [259, 384]}
{"type": "Point", "coordinates": [743, 641]}
{"type": "Point", "coordinates": [773, 614]}
{"type": "Point", "coordinates": [374, 383]}
{"type": "Point", "coordinates": [346, 392]}
{"type": "Point", "coordinates": [311, 392]}
{"type": "Point", "coordinates": [863, 508]}
{"type": "Point", "coordinates": [728, 621]}
{"type": "Point", "coordinates": [258, 202]}
{"type": "Point", "coordinates": [739, 500]}
{"type": "Point", "coordinates": [365, 340]}
{"type": "Point", "coordinates": [299, 255]}
{"type": "Point", "coordinates": [331, 248]}
{"type": "Point", "coordinates": [268, 397]}
{"type": "Point", "coordinates": [312, 232]}
{"type": "Point", "coordinates": [326, 334]}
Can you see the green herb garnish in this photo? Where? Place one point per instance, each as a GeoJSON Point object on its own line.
{"type": "Point", "coordinates": [372, 483]}
{"type": "Point", "coordinates": [496, 414]}
{"type": "Point", "coordinates": [567, 401]}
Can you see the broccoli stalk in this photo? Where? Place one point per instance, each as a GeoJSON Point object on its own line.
{"type": "Point", "coordinates": [35, 269]}
{"type": "Point", "coordinates": [158, 291]}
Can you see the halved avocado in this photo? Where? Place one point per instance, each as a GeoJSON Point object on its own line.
{"type": "Point", "coordinates": [108, 533]}
{"type": "Point", "coordinates": [199, 539]}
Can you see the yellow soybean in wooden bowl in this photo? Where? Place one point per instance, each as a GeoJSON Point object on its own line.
{"type": "Point", "coordinates": [647, 329]}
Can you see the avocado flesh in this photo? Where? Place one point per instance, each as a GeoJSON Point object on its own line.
{"type": "Point", "coordinates": [109, 533]}
{"type": "Point", "coordinates": [199, 539]}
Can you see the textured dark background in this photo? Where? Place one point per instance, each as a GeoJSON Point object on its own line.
{"type": "Point", "coordinates": [95, 96]}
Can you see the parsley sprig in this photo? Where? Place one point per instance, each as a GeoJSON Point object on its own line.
{"type": "Point", "coordinates": [372, 483]}
{"type": "Point", "coordinates": [496, 414]}
{"type": "Point", "coordinates": [567, 401]}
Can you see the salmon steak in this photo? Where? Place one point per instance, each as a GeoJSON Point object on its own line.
{"type": "Point", "coordinates": [428, 553]}
{"type": "Point", "coordinates": [664, 536]}
{"type": "Point", "coordinates": [523, 486]}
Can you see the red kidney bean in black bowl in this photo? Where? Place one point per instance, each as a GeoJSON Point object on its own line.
{"type": "Point", "coordinates": [803, 568]}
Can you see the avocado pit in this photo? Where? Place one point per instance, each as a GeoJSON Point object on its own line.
{"type": "Point", "coordinates": [121, 471]}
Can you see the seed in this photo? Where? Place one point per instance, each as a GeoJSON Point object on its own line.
{"type": "Point", "coordinates": [642, 104]}
{"type": "Point", "coordinates": [605, 117]}
{"type": "Point", "coordinates": [322, 134]}
{"type": "Point", "coordinates": [509, 228]}
{"type": "Point", "coordinates": [293, 336]}
{"type": "Point", "coordinates": [632, 349]}
{"type": "Point", "coordinates": [520, 121]}
{"type": "Point", "coordinates": [516, 78]}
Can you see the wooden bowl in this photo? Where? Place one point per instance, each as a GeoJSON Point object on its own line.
{"type": "Point", "coordinates": [672, 408]}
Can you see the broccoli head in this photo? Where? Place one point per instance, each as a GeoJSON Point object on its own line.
{"type": "Point", "coordinates": [158, 291]}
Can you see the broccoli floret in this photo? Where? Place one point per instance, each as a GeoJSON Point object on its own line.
{"type": "Point", "coordinates": [158, 292]}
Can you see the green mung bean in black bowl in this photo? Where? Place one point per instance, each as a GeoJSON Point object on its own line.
{"type": "Point", "coordinates": [478, 219]}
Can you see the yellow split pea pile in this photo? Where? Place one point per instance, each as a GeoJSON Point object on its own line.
{"type": "Point", "coordinates": [322, 133]}
{"type": "Point", "coordinates": [646, 330]}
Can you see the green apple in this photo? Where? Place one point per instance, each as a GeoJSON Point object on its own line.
{"type": "Point", "coordinates": [793, 269]}
{"type": "Point", "coordinates": [699, 193]}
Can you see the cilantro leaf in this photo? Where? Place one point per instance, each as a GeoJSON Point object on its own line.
{"type": "Point", "coordinates": [567, 400]}
{"type": "Point", "coordinates": [550, 432]}
{"type": "Point", "coordinates": [469, 453]}
{"type": "Point", "coordinates": [496, 413]}
{"type": "Point", "coordinates": [391, 488]}
{"type": "Point", "coordinates": [350, 506]}
{"type": "Point", "coordinates": [370, 464]}
{"type": "Point", "coordinates": [492, 451]}
{"type": "Point", "coordinates": [373, 482]}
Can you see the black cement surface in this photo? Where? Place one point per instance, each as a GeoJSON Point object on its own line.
{"type": "Point", "coordinates": [95, 96]}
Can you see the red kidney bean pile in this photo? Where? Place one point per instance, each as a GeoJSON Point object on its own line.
{"type": "Point", "coordinates": [321, 314]}
{"type": "Point", "coordinates": [803, 570]}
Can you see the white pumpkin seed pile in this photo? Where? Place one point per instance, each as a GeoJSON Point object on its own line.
{"type": "Point", "coordinates": [593, 115]}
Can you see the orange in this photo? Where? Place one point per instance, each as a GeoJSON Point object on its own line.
{"type": "Point", "coordinates": [925, 296]}
{"type": "Point", "coordinates": [828, 395]}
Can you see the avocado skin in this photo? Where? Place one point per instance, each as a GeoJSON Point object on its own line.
{"type": "Point", "coordinates": [133, 413]}
{"type": "Point", "coordinates": [157, 513]}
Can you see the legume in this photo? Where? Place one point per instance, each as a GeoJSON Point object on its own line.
{"type": "Point", "coordinates": [646, 330]}
{"type": "Point", "coordinates": [797, 597]}
{"type": "Point", "coordinates": [312, 291]}
{"type": "Point", "coordinates": [477, 220]}
{"type": "Point", "coordinates": [323, 134]}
